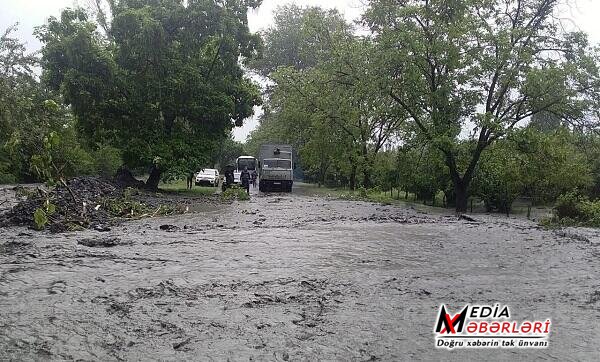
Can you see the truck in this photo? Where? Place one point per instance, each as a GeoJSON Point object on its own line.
{"type": "Point", "coordinates": [275, 168]}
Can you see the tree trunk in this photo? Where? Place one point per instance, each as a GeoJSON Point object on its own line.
{"type": "Point", "coordinates": [367, 179]}
{"type": "Point", "coordinates": [153, 179]}
{"type": "Point", "coordinates": [462, 196]}
{"type": "Point", "coordinates": [461, 184]}
{"type": "Point", "coordinates": [353, 178]}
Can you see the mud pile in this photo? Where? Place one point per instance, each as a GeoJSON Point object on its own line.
{"type": "Point", "coordinates": [78, 204]}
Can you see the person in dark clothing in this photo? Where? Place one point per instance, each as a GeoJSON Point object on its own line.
{"type": "Point", "coordinates": [190, 180]}
{"type": "Point", "coordinates": [245, 179]}
{"type": "Point", "coordinates": [229, 178]}
{"type": "Point", "coordinates": [254, 176]}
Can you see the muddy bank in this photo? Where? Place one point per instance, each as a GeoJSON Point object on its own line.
{"type": "Point", "coordinates": [90, 202]}
{"type": "Point", "coordinates": [290, 277]}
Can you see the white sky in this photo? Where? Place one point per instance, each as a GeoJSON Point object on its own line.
{"type": "Point", "coordinates": [585, 15]}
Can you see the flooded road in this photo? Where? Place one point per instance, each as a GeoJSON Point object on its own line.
{"type": "Point", "coordinates": [291, 277]}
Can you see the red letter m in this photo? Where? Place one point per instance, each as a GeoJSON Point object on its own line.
{"type": "Point", "coordinates": [451, 324]}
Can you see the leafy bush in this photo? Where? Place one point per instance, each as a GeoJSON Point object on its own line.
{"type": "Point", "coordinates": [499, 179]}
{"type": "Point", "coordinates": [574, 209]}
{"type": "Point", "coordinates": [374, 190]}
{"type": "Point", "coordinates": [552, 165]}
{"type": "Point", "coordinates": [7, 178]}
{"type": "Point", "coordinates": [77, 161]}
{"type": "Point", "coordinates": [235, 193]}
{"type": "Point", "coordinates": [107, 160]}
{"type": "Point", "coordinates": [567, 205]}
{"type": "Point", "coordinates": [362, 192]}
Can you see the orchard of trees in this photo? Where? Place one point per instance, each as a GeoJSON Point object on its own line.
{"type": "Point", "coordinates": [495, 99]}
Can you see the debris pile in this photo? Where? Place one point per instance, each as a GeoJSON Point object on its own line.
{"type": "Point", "coordinates": [76, 204]}
{"type": "Point", "coordinates": [89, 202]}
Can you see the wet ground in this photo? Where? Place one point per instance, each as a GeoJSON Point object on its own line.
{"type": "Point", "coordinates": [291, 277]}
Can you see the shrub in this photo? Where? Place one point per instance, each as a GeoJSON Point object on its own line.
{"type": "Point", "coordinates": [107, 160]}
{"type": "Point", "coordinates": [77, 161]}
{"type": "Point", "coordinates": [374, 190]}
{"type": "Point", "coordinates": [568, 205]}
{"type": "Point", "coordinates": [362, 192]}
{"type": "Point", "coordinates": [573, 209]}
{"type": "Point", "coordinates": [7, 178]}
{"type": "Point", "coordinates": [235, 193]}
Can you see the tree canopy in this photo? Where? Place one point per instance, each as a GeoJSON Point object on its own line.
{"type": "Point", "coordinates": [483, 65]}
{"type": "Point", "coordinates": [492, 99]}
{"type": "Point", "coordinates": [163, 82]}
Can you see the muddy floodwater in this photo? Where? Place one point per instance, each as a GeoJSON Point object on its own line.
{"type": "Point", "coordinates": [292, 277]}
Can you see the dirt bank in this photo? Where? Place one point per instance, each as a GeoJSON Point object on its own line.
{"type": "Point", "coordinates": [290, 277]}
{"type": "Point", "coordinates": [89, 202]}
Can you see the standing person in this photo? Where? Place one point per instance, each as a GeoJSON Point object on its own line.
{"type": "Point", "coordinates": [254, 176]}
{"type": "Point", "coordinates": [228, 180]}
{"type": "Point", "coordinates": [190, 180]}
{"type": "Point", "coordinates": [245, 179]}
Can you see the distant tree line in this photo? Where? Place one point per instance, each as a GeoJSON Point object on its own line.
{"type": "Point", "coordinates": [490, 99]}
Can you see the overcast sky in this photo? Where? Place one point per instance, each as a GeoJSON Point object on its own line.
{"type": "Point", "coordinates": [583, 14]}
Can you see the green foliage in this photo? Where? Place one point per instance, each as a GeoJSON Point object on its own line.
{"type": "Point", "coordinates": [165, 80]}
{"type": "Point", "coordinates": [588, 145]}
{"type": "Point", "coordinates": [572, 209]}
{"type": "Point", "coordinates": [299, 38]}
{"type": "Point", "coordinates": [568, 205]}
{"type": "Point", "coordinates": [552, 164]}
{"type": "Point", "coordinates": [180, 186]}
{"type": "Point", "coordinates": [227, 152]}
{"type": "Point", "coordinates": [127, 206]}
{"type": "Point", "coordinates": [42, 214]}
{"type": "Point", "coordinates": [386, 170]}
{"type": "Point", "coordinates": [43, 164]}
{"type": "Point", "coordinates": [499, 179]}
{"type": "Point", "coordinates": [374, 190]}
{"type": "Point", "coordinates": [540, 165]}
{"type": "Point", "coordinates": [235, 193]}
{"type": "Point", "coordinates": [326, 101]}
{"type": "Point", "coordinates": [362, 192]}
{"type": "Point", "coordinates": [452, 65]}
{"type": "Point", "coordinates": [421, 171]}
{"type": "Point", "coordinates": [107, 160]}
{"type": "Point", "coordinates": [29, 114]}
{"type": "Point", "coordinates": [40, 219]}
{"type": "Point", "coordinates": [7, 178]}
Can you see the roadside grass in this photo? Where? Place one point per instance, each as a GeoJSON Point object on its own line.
{"type": "Point", "coordinates": [376, 196]}
{"type": "Point", "coordinates": [180, 186]}
{"type": "Point", "coordinates": [521, 207]}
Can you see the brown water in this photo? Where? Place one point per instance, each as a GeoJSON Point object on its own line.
{"type": "Point", "coordinates": [291, 277]}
